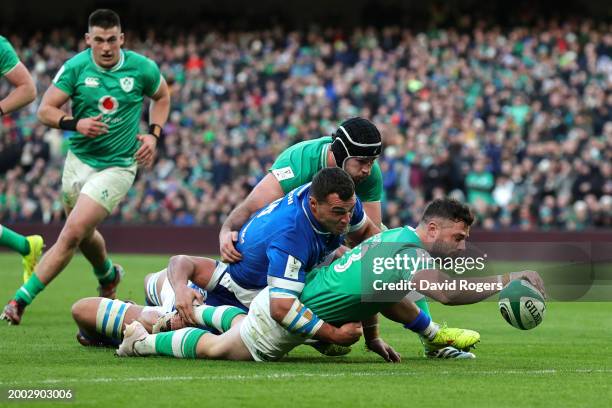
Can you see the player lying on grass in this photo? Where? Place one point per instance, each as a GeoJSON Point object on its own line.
{"type": "Point", "coordinates": [281, 243]}
{"type": "Point", "coordinates": [336, 297]}
{"type": "Point", "coordinates": [296, 224]}
{"type": "Point", "coordinates": [354, 147]}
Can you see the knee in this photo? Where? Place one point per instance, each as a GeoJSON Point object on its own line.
{"type": "Point", "coordinates": [72, 235]}
{"type": "Point", "coordinates": [79, 310]}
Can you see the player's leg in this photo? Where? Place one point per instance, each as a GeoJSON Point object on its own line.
{"type": "Point", "coordinates": [30, 248]}
{"type": "Point", "coordinates": [185, 343]}
{"type": "Point", "coordinates": [434, 337]}
{"type": "Point", "coordinates": [93, 247]}
{"type": "Point", "coordinates": [257, 337]}
{"type": "Point", "coordinates": [216, 318]}
{"type": "Point", "coordinates": [81, 222]}
{"type": "Point", "coordinates": [153, 285]}
{"type": "Point", "coordinates": [107, 187]}
{"type": "Point", "coordinates": [101, 321]}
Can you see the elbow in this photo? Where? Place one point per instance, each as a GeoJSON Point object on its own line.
{"type": "Point", "coordinates": [31, 93]}
{"type": "Point", "coordinates": [450, 298]}
{"type": "Point", "coordinates": [41, 115]}
{"type": "Point", "coordinates": [177, 261]}
{"type": "Point", "coordinates": [277, 312]}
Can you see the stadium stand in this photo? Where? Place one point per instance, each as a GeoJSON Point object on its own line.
{"type": "Point", "coordinates": [516, 121]}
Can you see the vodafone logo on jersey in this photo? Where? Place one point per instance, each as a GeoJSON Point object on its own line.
{"type": "Point", "coordinates": [108, 104]}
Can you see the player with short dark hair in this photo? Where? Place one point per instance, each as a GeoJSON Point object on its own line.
{"type": "Point", "coordinates": [107, 86]}
{"type": "Point", "coordinates": [333, 300]}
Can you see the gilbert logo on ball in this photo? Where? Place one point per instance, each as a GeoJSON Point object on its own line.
{"type": "Point", "coordinates": [107, 104]}
{"type": "Point", "coordinates": [522, 305]}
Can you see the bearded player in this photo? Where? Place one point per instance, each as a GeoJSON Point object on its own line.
{"type": "Point", "coordinates": [336, 297]}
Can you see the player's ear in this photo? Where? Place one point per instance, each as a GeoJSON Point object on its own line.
{"type": "Point", "coordinates": [87, 39]}
{"type": "Point", "coordinates": [432, 229]}
{"type": "Point", "coordinates": [121, 39]}
{"type": "Point", "coordinates": [312, 202]}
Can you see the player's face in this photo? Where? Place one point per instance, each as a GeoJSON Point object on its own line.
{"type": "Point", "coordinates": [359, 168]}
{"type": "Point", "coordinates": [105, 45]}
{"type": "Point", "coordinates": [333, 214]}
{"type": "Point", "coordinates": [448, 237]}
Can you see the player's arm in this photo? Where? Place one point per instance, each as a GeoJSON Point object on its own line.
{"type": "Point", "coordinates": [493, 284]}
{"type": "Point", "coordinates": [266, 191]}
{"type": "Point", "coordinates": [51, 114]}
{"type": "Point", "coordinates": [297, 318]}
{"type": "Point", "coordinates": [374, 212]}
{"type": "Point", "coordinates": [368, 229]}
{"type": "Point", "coordinates": [361, 225]}
{"type": "Point", "coordinates": [158, 115]}
{"type": "Point", "coordinates": [375, 343]}
{"type": "Point", "coordinates": [24, 91]}
{"type": "Point", "coordinates": [286, 279]}
{"type": "Point", "coordinates": [180, 270]}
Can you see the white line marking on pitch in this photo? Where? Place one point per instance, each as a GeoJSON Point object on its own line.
{"type": "Point", "coordinates": [280, 376]}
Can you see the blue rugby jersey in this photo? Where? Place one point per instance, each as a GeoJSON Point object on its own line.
{"type": "Point", "coordinates": [283, 240]}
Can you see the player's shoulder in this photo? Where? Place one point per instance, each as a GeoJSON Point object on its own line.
{"type": "Point", "coordinates": [135, 58]}
{"type": "Point", "coordinates": [79, 60]}
{"type": "Point", "coordinates": [4, 42]}
{"type": "Point", "coordinates": [315, 144]}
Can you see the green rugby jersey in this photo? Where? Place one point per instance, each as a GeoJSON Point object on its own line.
{"type": "Point", "coordinates": [8, 57]}
{"type": "Point", "coordinates": [298, 164]}
{"type": "Point", "coordinates": [117, 93]}
{"type": "Point", "coordinates": [344, 292]}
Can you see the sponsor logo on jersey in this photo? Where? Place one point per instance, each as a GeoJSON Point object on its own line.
{"type": "Point", "coordinates": [292, 268]}
{"type": "Point", "coordinates": [127, 84]}
{"type": "Point", "coordinates": [283, 173]}
{"type": "Point", "coordinates": [108, 104]}
{"type": "Point", "coordinates": [92, 82]}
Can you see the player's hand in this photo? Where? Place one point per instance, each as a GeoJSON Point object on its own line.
{"type": "Point", "coordinates": [229, 253]}
{"type": "Point", "coordinates": [146, 154]}
{"type": "Point", "coordinates": [185, 298]}
{"type": "Point", "coordinates": [380, 347]}
{"type": "Point", "coordinates": [92, 127]}
{"type": "Point", "coordinates": [532, 277]}
{"type": "Point", "coordinates": [348, 333]}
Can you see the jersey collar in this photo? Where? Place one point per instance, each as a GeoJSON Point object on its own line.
{"type": "Point", "coordinates": [118, 65]}
{"type": "Point", "coordinates": [311, 219]}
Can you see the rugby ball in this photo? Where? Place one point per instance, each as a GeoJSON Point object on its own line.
{"type": "Point", "coordinates": [522, 305]}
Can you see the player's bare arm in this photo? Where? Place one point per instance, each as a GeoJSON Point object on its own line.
{"type": "Point", "coordinates": [283, 310]}
{"type": "Point", "coordinates": [375, 343]}
{"type": "Point", "coordinates": [369, 229]}
{"type": "Point", "coordinates": [266, 191]}
{"type": "Point", "coordinates": [373, 210]}
{"type": "Point", "coordinates": [51, 114]}
{"type": "Point", "coordinates": [158, 115]}
{"type": "Point", "coordinates": [182, 268]}
{"type": "Point", "coordinates": [491, 285]}
{"type": "Point", "coordinates": [24, 91]}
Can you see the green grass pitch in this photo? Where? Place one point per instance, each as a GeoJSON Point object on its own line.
{"type": "Point", "coordinates": [566, 362]}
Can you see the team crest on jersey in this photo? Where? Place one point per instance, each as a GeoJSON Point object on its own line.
{"type": "Point", "coordinates": [127, 84]}
{"type": "Point", "coordinates": [108, 104]}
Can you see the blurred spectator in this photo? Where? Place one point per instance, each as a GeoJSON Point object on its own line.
{"type": "Point", "coordinates": [517, 121]}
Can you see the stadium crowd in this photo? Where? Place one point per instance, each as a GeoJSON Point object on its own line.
{"type": "Point", "coordinates": [518, 121]}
